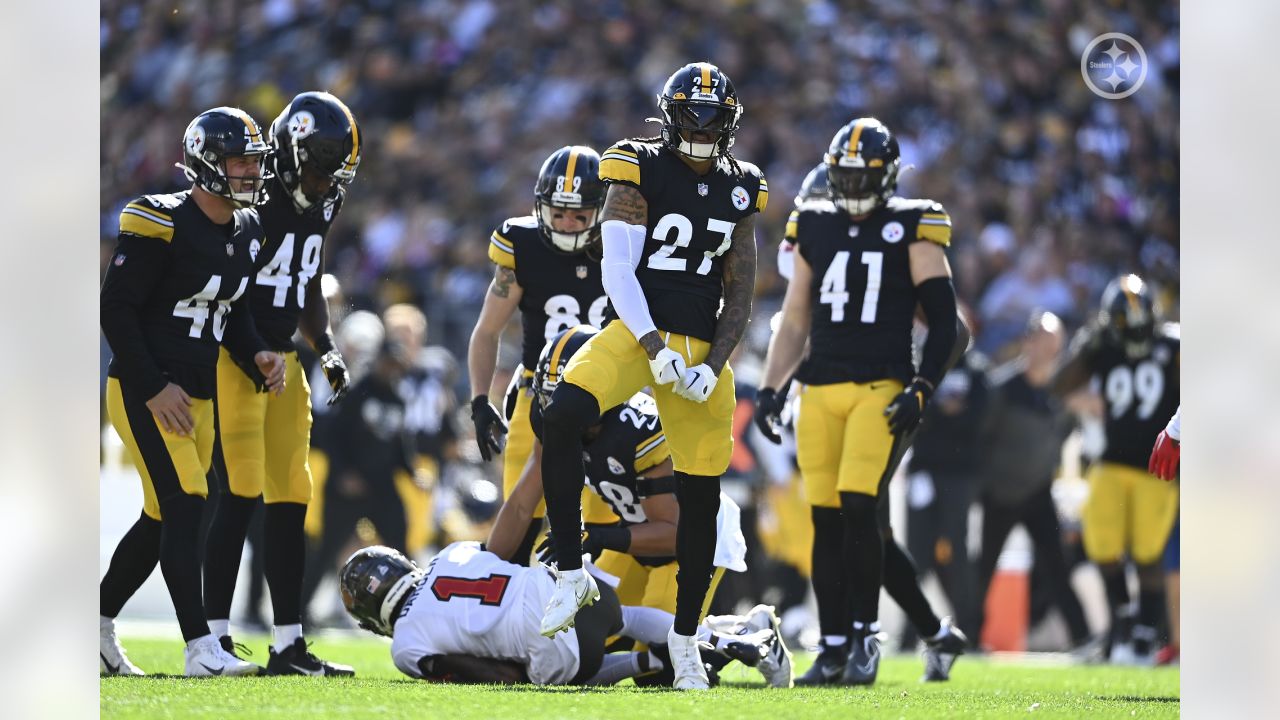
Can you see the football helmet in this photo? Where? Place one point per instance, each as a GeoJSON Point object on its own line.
{"type": "Point", "coordinates": [862, 166]}
{"type": "Point", "coordinates": [1128, 315]}
{"type": "Point", "coordinates": [373, 582]}
{"type": "Point", "coordinates": [815, 185]}
{"type": "Point", "coordinates": [315, 135]}
{"type": "Point", "coordinates": [569, 180]}
{"type": "Point", "coordinates": [555, 356]}
{"type": "Point", "coordinates": [212, 137]}
{"type": "Point", "coordinates": [699, 98]}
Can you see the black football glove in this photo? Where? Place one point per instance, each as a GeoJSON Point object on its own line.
{"type": "Point", "coordinates": [335, 371]}
{"type": "Point", "coordinates": [490, 429]}
{"type": "Point", "coordinates": [769, 414]}
{"type": "Point", "coordinates": [906, 410]}
{"type": "Point", "coordinates": [546, 550]}
{"type": "Point", "coordinates": [594, 541]}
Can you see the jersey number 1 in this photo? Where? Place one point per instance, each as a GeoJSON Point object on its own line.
{"type": "Point", "coordinates": [833, 290]}
{"type": "Point", "coordinates": [488, 590]}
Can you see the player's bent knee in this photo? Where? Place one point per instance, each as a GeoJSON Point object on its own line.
{"type": "Point", "coordinates": [572, 410]}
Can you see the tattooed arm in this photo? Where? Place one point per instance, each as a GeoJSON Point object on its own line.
{"type": "Point", "coordinates": [623, 232]}
{"type": "Point", "coordinates": [739, 286]}
{"type": "Point", "coordinates": [499, 305]}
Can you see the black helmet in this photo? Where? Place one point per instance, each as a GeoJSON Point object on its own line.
{"type": "Point", "coordinates": [699, 97]}
{"type": "Point", "coordinates": [1128, 315]}
{"type": "Point", "coordinates": [570, 180]}
{"type": "Point", "coordinates": [815, 185]}
{"type": "Point", "coordinates": [212, 137]}
{"type": "Point", "coordinates": [373, 582]}
{"type": "Point", "coordinates": [317, 133]}
{"type": "Point", "coordinates": [862, 165]}
{"type": "Point", "coordinates": [555, 356]}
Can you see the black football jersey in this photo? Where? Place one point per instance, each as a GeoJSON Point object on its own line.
{"type": "Point", "coordinates": [1139, 395]}
{"type": "Point", "coordinates": [630, 442]}
{"type": "Point", "coordinates": [862, 296]}
{"type": "Point", "coordinates": [291, 257]}
{"type": "Point", "coordinates": [168, 296]}
{"type": "Point", "coordinates": [559, 290]}
{"type": "Point", "coordinates": [690, 226]}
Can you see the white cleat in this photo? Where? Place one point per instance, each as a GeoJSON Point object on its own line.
{"type": "Point", "coordinates": [575, 589]}
{"type": "Point", "coordinates": [776, 665]}
{"type": "Point", "coordinates": [112, 659]}
{"type": "Point", "coordinates": [690, 673]}
{"type": "Point", "coordinates": [206, 658]}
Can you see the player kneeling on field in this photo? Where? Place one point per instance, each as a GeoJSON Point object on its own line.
{"type": "Point", "coordinates": [471, 617]}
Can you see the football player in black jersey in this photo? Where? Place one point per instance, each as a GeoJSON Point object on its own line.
{"type": "Point", "coordinates": [547, 265]}
{"type": "Point", "coordinates": [628, 466]}
{"type": "Point", "coordinates": [861, 395]}
{"type": "Point", "coordinates": [265, 441]}
{"type": "Point", "coordinates": [1129, 513]}
{"type": "Point", "coordinates": [678, 234]}
{"type": "Point", "coordinates": [174, 292]}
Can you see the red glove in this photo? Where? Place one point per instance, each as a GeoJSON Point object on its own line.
{"type": "Point", "coordinates": [1164, 457]}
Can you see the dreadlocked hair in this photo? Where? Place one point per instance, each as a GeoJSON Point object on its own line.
{"type": "Point", "coordinates": [726, 154]}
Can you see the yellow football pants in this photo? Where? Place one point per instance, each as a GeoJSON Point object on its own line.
{"type": "Point", "coordinates": [843, 443]}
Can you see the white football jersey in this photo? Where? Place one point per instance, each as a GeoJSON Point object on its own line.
{"type": "Point", "coordinates": [472, 602]}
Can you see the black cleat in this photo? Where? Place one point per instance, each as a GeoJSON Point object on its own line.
{"type": "Point", "coordinates": [941, 654]}
{"type": "Point", "coordinates": [237, 650]}
{"type": "Point", "coordinates": [864, 659]}
{"type": "Point", "coordinates": [827, 668]}
{"type": "Point", "coordinates": [297, 659]}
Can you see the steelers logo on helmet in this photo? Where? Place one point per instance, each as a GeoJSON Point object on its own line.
{"type": "Point", "coordinates": [700, 111]}
{"type": "Point", "coordinates": [194, 140]}
{"type": "Point", "coordinates": [301, 124]}
{"type": "Point", "coordinates": [862, 166]}
{"type": "Point", "coordinates": [740, 198]}
{"type": "Point", "coordinates": [892, 232]}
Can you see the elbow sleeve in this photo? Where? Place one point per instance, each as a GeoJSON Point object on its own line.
{"type": "Point", "coordinates": [623, 245]}
{"type": "Point", "coordinates": [938, 299]}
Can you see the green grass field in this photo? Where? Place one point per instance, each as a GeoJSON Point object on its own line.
{"type": "Point", "coordinates": [979, 688]}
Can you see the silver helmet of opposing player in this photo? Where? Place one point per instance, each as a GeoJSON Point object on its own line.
{"type": "Point", "coordinates": [373, 583]}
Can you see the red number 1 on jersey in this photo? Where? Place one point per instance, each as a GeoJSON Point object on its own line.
{"type": "Point", "coordinates": [488, 591]}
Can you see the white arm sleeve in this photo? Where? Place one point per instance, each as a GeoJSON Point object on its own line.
{"type": "Point", "coordinates": [1174, 428]}
{"type": "Point", "coordinates": [623, 246]}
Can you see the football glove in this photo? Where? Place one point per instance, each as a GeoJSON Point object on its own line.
{"type": "Point", "coordinates": [667, 367]}
{"type": "Point", "coordinates": [769, 414]}
{"type": "Point", "coordinates": [335, 371]}
{"type": "Point", "coordinates": [491, 431]}
{"type": "Point", "coordinates": [906, 410]}
{"type": "Point", "coordinates": [594, 542]}
{"type": "Point", "coordinates": [1164, 457]}
{"type": "Point", "coordinates": [699, 383]}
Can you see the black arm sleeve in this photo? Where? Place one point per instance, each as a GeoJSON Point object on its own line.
{"type": "Point", "coordinates": [135, 269]}
{"type": "Point", "coordinates": [938, 300]}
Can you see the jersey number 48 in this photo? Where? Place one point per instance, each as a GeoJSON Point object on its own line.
{"type": "Point", "coordinates": [277, 272]}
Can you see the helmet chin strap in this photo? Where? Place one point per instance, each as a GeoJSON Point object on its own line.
{"type": "Point", "coordinates": [300, 198]}
{"type": "Point", "coordinates": [567, 242]}
{"type": "Point", "coordinates": [857, 206]}
{"type": "Point", "coordinates": [697, 151]}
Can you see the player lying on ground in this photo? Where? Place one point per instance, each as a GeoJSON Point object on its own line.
{"type": "Point", "coordinates": [472, 617]}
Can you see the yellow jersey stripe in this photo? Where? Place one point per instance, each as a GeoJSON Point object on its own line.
{"type": "Point", "coordinates": [651, 446]}
{"type": "Point", "coordinates": [793, 226]}
{"type": "Point", "coordinates": [656, 436]}
{"type": "Point", "coordinates": [505, 243]}
{"type": "Point", "coordinates": [620, 151]}
{"type": "Point", "coordinates": [653, 458]}
{"type": "Point", "coordinates": [136, 224]}
{"type": "Point", "coordinates": [148, 212]}
{"type": "Point", "coordinates": [762, 199]}
{"type": "Point", "coordinates": [501, 256]}
{"type": "Point", "coordinates": [613, 169]}
{"type": "Point", "coordinates": [940, 234]}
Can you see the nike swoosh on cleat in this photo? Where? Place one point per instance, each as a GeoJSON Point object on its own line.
{"type": "Point", "coordinates": [211, 670]}
{"type": "Point", "coordinates": [112, 669]}
{"type": "Point", "coordinates": [305, 671]}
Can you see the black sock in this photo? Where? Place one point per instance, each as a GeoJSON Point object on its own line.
{"type": "Point", "coordinates": [572, 410]}
{"type": "Point", "coordinates": [903, 585]}
{"type": "Point", "coordinates": [180, 561]}
{"type": "Point", "coordinates": [1151, 604]}
{"type": "Point", "coordinates": [1117, 587]}
{"type": "Point", "coordinates": [131, 564]}
{"type": "Point", "coordinates": [699, 498]}
{"type": "Point", "coordinates": [864, 555]}
{"type": "Point", "coordinates": [829, 570]}
{"type": "Point", "coordinates": [283, 560]}
{"type": "Point", "coordinates": [222, 551]}
{"type": "Point", "coordinates": [524, 551]}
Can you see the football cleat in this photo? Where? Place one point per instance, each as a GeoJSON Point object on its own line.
{"type": "Point", "coordinates": [112, 659]}
{"type": "Point", "coordinates": [575, 589]}
{"type": "Point", "coordinates": [237, 650]}
{"type": "Point", "coordinates": [776, 666]}
{"type": "Point", "coordinates": [686, 661]}
{"type": "Point", "coordinates": [864, 659]}
{"type": "Point", "coordinates": [749, 648]}
{"type": "Point", "coordinates": [297, 659]}
{"type": "Point", "coordinates": [828, 667]}
{"type": "Point", "coordinates": [941, 653]}
{"type": "Point", "coordinates": [206, 658]}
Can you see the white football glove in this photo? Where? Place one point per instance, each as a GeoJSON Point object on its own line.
{"type": "Point", "coordinates": [699, 383]}
{"type": "Point", "coordinates": [668, 367]}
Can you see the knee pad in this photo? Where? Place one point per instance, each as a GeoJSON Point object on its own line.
{"type": "Point", "coordinates": [571, 411]}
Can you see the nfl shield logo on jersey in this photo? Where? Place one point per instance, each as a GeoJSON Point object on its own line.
{"type": "Point", "coordinates": [231, 249]}
{"type": "Point", "coordinates": [703, 189]}
{"type": "Point", "coordinates": [581, 272]}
